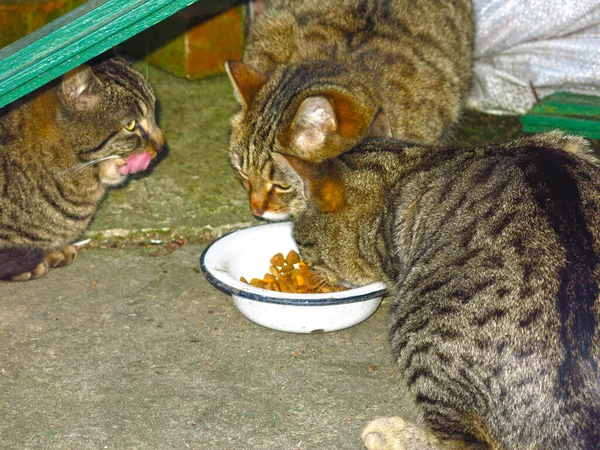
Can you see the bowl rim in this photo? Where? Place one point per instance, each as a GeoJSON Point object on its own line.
{"type": "Point", "coordinates": [238, 288]}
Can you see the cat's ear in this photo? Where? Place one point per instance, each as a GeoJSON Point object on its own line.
{"type": "Point", "coordinates": [246, 81]}
{"type": "Point", "coordinates": [80, 89]}
{"type": "Point", "coordinates": [322, 182]}
{"type": "Point", "coordinates": [326, 126]}
{"type": "Point", "coordinates": [315, 120]}
{"type": "Point", "coordinates": [380, 127]}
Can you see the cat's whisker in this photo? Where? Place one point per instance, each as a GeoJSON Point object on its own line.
{"type": "Point", "coordinates": [395, 286]}
{"type": "Point", "coordinates": [147, 190]}
{"type": "Point", "coordinates": [78, 168]}
{"type": "Point", "coordinates": [220, 149]}
{"type": "Point", "coordinates": [319, 280]}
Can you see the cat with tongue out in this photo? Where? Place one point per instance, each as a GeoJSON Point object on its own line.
{"type": "Point", "coordinates": [61, 148]}
{"type": "Point", "coordinates": [136, 163]}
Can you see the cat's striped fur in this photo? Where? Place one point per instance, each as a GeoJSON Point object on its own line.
{"type": "Point", "coordinates": [315, 72]}
{"type": "Point", "coordinates": [60, 149]}
{"type": "Point", "coordinates": [492, 256]}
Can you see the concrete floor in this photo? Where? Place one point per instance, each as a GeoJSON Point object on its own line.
{"type": "Point", "coordinates": [131, 348]}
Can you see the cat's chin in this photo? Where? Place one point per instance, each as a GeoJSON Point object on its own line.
{"type": "Point", "coordinates": [347, 285]}
{"type": "Point", "coordinates": [109, 173]}
{"type": "Point", "coordinates": [275, 216]}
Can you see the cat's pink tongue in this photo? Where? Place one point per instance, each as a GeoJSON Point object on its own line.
{"type": "Point", "coordinates": [136, 163]}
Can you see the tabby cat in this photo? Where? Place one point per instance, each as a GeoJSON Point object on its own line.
{"type": "Point", "coordinates": [60, 149]}
{"type": "Point", "coordinates": [492, 257]}
{"type": "Point", "coordinates": [314, 73]}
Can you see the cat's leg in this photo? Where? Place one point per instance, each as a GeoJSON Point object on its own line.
{"type": "Point", "coordinates": [395, 433]}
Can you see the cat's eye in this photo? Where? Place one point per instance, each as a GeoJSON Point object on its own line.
{"type": "Point", "coordinates": [130, 126]}
{"type": "Point", "coordinates": [282, 187]}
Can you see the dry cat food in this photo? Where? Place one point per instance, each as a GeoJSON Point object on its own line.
{"type": "Point", "coordinates": [291, 274]}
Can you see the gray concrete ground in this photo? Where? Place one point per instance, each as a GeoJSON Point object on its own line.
{"type": "Point", "coordinates": [131, 348]}
{"type": "Point", "coordinates": [123, 350]}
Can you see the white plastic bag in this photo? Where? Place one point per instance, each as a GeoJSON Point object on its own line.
{"type": "Point", "coordinates": [552, 45]}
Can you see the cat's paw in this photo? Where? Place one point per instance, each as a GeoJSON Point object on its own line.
{"type": "Point", "coordinates": [395, 433]}
{"type": "Point", "coordinates": [55, 259]}
{"type": "Point", "coordinates": [62, 257]}
{"type": "Point", "coordinates": [39, 271]}
{"type": "Point", "coordinates": [384, 434]}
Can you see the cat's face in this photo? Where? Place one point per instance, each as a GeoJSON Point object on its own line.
{"type": "Point", "coordinates": [276, 119]}
{"type": "Point", "coordinates": [337, 229]}
{"type": "Point", "coordinates": [109, 112]}
{"type": "Point", "coordinates": [273, 187]}
{"type": "Point", "coordinates": [336, 232]}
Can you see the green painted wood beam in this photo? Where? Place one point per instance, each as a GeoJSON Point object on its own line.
{"type": "Point", "coordinates": [74, 38]}
{"type": "Point", "coordinates": [574, 113]}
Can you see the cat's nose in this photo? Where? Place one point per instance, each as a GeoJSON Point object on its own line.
{"type": "Point", "coordinates": [157, 139]}
{"type": "Point", "coordinates": [154, 134]}
{"type": "Point", "coordinates": [257, 204]}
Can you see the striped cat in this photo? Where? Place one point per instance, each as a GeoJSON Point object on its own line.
{"type": "Point", "coordinates": [315, 72]}
{"type": "Point", "coordinates": [492, 257]}
{"type": "Point", "coordinates": [60, 149]}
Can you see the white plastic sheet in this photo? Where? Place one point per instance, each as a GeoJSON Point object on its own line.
{"type": "Point", "coordinates": [552, 45]}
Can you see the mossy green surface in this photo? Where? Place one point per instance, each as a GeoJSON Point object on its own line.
{"type": "Point", "coordinates": [476, 128]}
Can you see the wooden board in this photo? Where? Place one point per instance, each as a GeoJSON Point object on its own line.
{"type": "Point", "coordinates": [74, 38]}
{"type": "Point", "coordinates": [572, 113]}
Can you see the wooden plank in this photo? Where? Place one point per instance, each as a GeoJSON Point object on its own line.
{"type": "Point", "coordinates": [568, 104]}
{"type": "Point", "coordinates": [540, 124]}
{"type": "Point", "coordinates": [572, 113]}
{"type": "Point", "coordinates": [75, 38]}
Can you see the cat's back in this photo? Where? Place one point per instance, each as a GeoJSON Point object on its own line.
{"type": "Point", "coordinates": [557, 177]}
{"type": "Point", "coordinates": [502, 290]}
{"type": "Point", "coordinates": [292, 32]}
{"type": "Point", "coordinates": [530, 207]}
{"type": "Point", "coordinates": [411, 58]}
{"type": "Point", "coordinates": [551, 177]}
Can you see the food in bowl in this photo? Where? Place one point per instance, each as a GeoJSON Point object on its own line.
{"type": "Point", "coordinates": [291, 274]}
{"type": "Point", "coordinates": [247, 253]}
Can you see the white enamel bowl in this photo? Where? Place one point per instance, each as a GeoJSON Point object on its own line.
{"type": "Point", "coordinates": [246, 253]}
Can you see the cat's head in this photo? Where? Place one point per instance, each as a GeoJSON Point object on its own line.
{"type": "Point", "coordinates": [337, 231]}
{"type": "Point", "coordinates": [106, 117]}
{"type": "Point", "coordinates": [291, 112]}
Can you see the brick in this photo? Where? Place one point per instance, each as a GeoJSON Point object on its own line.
{"type": "Point", "coordinates": [190, 44]}
{"type": "Point", "coordinates": [19, 18]}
